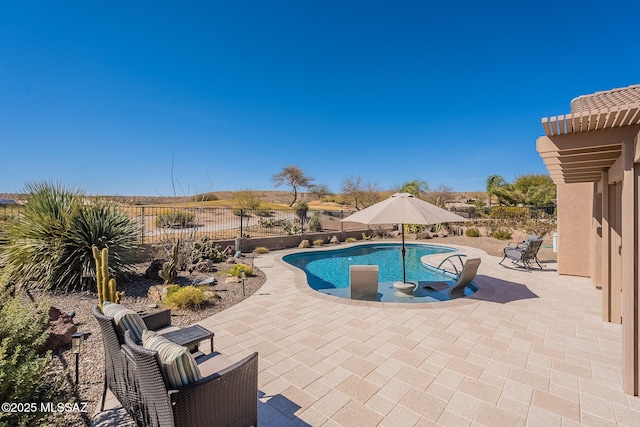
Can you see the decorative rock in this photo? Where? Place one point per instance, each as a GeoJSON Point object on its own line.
{"type": "Point", "coordinates": [153, 269]}
{"type": "Point", "coordinates": [231, 280]}
{"type": "Point", "coordinates": [61, 329]}
{"type": "Point", "coordinates": [209, 281]}
{"type": "Point", "coordinates": [206, 266]}
{"type": "Point", "coordinates": [152, 306]}
{"type": "Point", "coordinates": [157, 293]}
{"type": "Point", "coordinates": [231, 260]}
{"type": "Point", "coordinates": [334, 240]}
{"type": "Point", "coordinates": [304, 244]}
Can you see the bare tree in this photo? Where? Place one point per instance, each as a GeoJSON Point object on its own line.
{"type": "Point", "coordinates": [360, 194]}
{"type": "Point", "coordinates": [294, 177]}
{"type": "Point", "coordinates": [319, 190]}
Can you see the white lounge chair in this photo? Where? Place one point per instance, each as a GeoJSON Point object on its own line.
{"type": "Point", "coordinates": [364, 282]}
{"type": "Point", "coordinates": [465, 277]}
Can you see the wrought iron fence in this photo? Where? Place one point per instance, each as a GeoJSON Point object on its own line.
{"type": "Point", "coordinates": [162, 224]}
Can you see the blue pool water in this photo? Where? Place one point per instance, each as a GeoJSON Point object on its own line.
{"type": "Point", "coordinates": [328, 271]}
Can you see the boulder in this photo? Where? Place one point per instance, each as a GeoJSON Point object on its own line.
{"type": "Point", "coordinates": [158, 292]}
{"type": "Point", "coordinates": [231, 260]}
{"type": "Point", "coordinates": [334, 240]}
{"type": "Point", "coordinates": [206, 266]}
{"type": "Point", "coordinates": [61, 329]}
{"type": "Point", "coordinates": [304, 244]}
{"type": "Point", "coordinates": [153, 269]}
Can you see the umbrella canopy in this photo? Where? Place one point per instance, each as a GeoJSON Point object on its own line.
{"type": "Point", "coordinates": [403, 208]}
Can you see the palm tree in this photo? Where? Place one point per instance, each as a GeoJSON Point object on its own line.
{"type": "Point", "coordinates": [493, 182]}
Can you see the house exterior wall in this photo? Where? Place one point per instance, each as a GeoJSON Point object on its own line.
{"type": "Point", "coordinates": [575, 216]}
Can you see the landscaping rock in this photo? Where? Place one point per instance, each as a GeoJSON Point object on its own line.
{"type": "Point", "coordinates": [231, 260]}
{"type": "Point", "coordinates": [206, 266]}
{"type": "Point", "coordinates": [153, 269]}
{"type": "Point", "coordinates": [304, 244]}
{"type": "Point", "coordinates": [209, 281]}
{"type": "Point", "coordinates": [61, 329]}
{"type": "Point", "coordinates": [157, 293]}
{"type": "Point", "coordinates": [231, 279]}
{"type": "Point", "coordinates": [334, 240]}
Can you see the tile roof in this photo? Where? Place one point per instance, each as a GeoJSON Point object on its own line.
{"type": "Point", "coordinates": [613, 98]}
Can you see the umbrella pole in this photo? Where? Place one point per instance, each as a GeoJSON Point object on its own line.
{"type": "Point", "coordinates": [404, 270]}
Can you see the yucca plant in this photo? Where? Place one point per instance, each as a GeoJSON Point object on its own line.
{"type": "Point", "coordinates": [51, 241]}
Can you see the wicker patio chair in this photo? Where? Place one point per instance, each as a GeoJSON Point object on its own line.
{"type": "Point", "coordinates": [227, 395]}
{"type": "Point", "coordinates": [523, 253]}
{"type": "Point", "coordinates": [116, 376]}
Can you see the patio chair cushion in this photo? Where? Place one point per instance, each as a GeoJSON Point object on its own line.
{"type": "Point", "coordinates": [178, 365]}
{"type": "Point", "coordinates": [125, 318]}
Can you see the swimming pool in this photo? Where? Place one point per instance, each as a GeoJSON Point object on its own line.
{"type": "Point", "coordinates": [328, 271]}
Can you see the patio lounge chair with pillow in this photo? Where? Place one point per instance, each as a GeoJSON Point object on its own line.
{"type": "Point", "coordinates": [364, 282]}
{"type": "Point", "coordinates": [466, 276]}
{"type": "Point", "coordinates": [523, 253]}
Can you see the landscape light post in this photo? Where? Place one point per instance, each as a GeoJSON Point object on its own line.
{"type": "Point", "coordinates": [76, 345]}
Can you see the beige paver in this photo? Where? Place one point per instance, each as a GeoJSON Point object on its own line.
{"type": "Point", "coordinates": [526, 349]}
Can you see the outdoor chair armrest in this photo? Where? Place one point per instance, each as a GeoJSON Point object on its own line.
{"type": "Point", "coordinates": [159, 320]}
{"type": "Point", "coordinates": [228, 397]}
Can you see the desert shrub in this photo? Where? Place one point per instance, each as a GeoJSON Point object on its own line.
{"type": "Point", "coordinates": [301, 209]}
{"type": "Point", "coordinates": [238, 269]}
{"type": "Point", "coordinates": [501, 234]}
{"type": "Point", "coordinates": [185, 297]}
{"type": "Point", "coordinates": [261, 250]}
{"type": "Point", "coordinates": [263, 212]}
{"type": "Point", "coordinates": [472, 232]}
{"type": "Point", "coordinates": [350, 240]}
{"type": "Point", "coordinates": [175, 219]}
{"type": "Point", "coordinates": [23, 372]}
{"type": "Point", "coordinates": [315, 223]}
{"type": "Point", "coordinates": [318, 242]}
{"type": "Point", "coordinates": [271, 222]}
{"type": "Point", "coordinates": [291, 229]}
{"type": "Point", "coordinates": [510, 213]}
{"type": "Point", "coordinates": [51, 241]}
{"type": "Point", "coordinates": [205, 248]}
{"type": "Point", "coordinates": [240, 212]}
{"type": "Point", "coordinates": [205, 197]}
{"type": "Point", "coordinates": [414, 228]}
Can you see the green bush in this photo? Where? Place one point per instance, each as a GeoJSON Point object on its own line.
{"type": "Point", "coordinates": [185, 297]}
{"type": "Point", "coordinates": [51, 240]}
{"type": "Point", "coordinates": [205, 248]}
{"type": "Point", "coordinates": [205, 197]}
{"type": "Point", "coordinates": [23, 373]}
{"type": "Point", "coordinates": [472, 232]}
{"type": "Point", "coordinates": [414, 228]}
{"type": "Point", "coordinates": [238, 269]}
{"type": "Point", "coordinates": [315, 223]}
{"type": "Point", "coordinates": [318, 242]}
{"type": "Point", "coordinates": [261, 250]}
{"type": "Point", "coordinates": [502, 234]}
{"type": "Point", "coordinates": [175, 219]}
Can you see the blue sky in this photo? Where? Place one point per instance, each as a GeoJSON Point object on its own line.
{"type": "Point", "coordinates": [105, 96]}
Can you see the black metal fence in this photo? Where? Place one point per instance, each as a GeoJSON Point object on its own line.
{"type": "Point", "coordinates": [162, 224]}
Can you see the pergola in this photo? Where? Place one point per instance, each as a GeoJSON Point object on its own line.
{"type": "Point", "coordinates": [599, 143]}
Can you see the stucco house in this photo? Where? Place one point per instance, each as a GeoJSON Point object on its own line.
{"type": "Point", "coordinates": [593, 155]}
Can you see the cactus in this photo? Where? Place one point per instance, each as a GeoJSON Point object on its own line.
{"type": "Point", "coordinates": [106, 287]}
{"type": "Point", "coordinates": [169, 271]}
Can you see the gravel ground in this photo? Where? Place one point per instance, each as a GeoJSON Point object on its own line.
{"type": "Point", "coordinates": [92, 356]}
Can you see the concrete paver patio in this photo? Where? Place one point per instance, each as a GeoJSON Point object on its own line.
{"type": "Point", "coordinates": [526, 349]}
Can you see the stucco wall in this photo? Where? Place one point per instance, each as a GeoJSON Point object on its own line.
{"type": "Point", "coordinates": [575, 213]}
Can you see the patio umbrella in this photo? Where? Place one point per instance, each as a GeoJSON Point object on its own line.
{"type": "Point", "coordinates": [403, 208]}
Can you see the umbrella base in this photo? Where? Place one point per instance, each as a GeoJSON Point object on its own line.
{"type": "Point", "coordinates": [405, 287]}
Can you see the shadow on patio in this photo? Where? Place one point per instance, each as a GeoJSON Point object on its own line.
{"type": "Point", "coordinates": [500, 291]}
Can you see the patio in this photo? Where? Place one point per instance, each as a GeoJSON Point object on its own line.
{"type": "Point", "coordinates": [527, 349]}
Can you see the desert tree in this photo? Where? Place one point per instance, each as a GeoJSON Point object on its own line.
{"type": "Point", "coordinates": [360, 194]}
{"type": "Point", "coordinates": [245, 199]}
{"type": "Point", "coordinates": [294, 177]}
{"type": "Point", "coordinates": [320, 191]}
{"type": "Point", "coordinates": [416, 187]}
{"type": "Point", "coordinates": [439, 195]}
